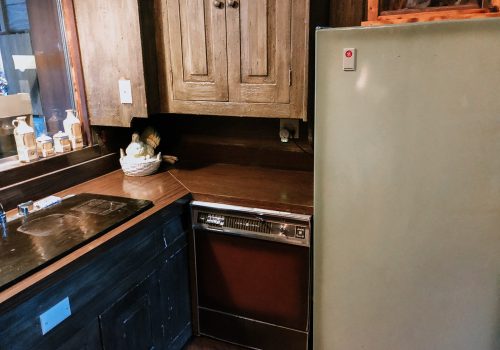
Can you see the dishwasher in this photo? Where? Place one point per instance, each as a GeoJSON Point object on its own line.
{"type": "Point", "coordinates": [252, 275]}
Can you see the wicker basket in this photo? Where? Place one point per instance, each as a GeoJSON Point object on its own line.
{"type": "Point", "coordinates": [140, 167]}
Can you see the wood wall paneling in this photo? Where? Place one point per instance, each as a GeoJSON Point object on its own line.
{"type": "Point", "coordinates": [347, 13]}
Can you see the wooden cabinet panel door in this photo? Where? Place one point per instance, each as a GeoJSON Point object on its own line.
{"type": "Point", "coordinates": [174, 285]}
{"type": "Point", "coordinates": [134, 321]}
{"type": "Point", "coordinates": [110, 44]}
{"type": "Point", "coordinates": [197, 50]}
{"type": "Point", "coordinates": [259, 50]}
{"type": "Point", "coordinates": [87, 338]}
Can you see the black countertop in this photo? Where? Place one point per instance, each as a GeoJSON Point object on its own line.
{"type": "Point", "coordinates": [51, 233]}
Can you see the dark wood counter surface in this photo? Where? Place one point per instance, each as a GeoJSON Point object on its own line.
{"type": "Point", "coordinates": [265, 188]}
{"type": "Point", "coordinates": [284, 190]}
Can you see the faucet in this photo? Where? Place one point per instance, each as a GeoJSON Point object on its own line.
{"type": "Point", "coordinates": [3, 221]}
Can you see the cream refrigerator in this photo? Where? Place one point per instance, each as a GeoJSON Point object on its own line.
{"type": "Point", "coordinates": [407, 187]}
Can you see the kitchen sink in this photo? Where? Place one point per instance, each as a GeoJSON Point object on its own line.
{"type": "Point", "coordinates": [51, 233]}
{"type": "Point", "coordinates": [53, 224]}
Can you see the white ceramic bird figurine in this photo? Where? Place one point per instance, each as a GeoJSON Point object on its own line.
{"type": "Point", "coordinates": [137, 148]}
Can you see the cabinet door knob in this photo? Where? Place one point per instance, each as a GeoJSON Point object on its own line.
{"type": "Point", "coordinates": [218, 4]}
{"type": "Point", "coordinates": [232, 3]}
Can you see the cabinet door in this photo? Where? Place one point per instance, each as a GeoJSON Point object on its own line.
{"type": "Point", "coordinates": [176, 306]}
{"type": "Point", "coordinates": [259, 54]}
{"type": "Point", "coordinates": [196, 40]}
{"type": "Point", "coordinates": [87, 338]}
{"type": "Point", "coordinates": [134, 321]}
{"type": "Point", "coordinates": [110, 45]}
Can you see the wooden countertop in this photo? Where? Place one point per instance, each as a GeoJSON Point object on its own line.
{"type": "Point", "coordinates": [266, 188]}
{"type": "Point", "coordinates": [223, 183]}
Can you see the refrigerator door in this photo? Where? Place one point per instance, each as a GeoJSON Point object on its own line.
{"type": "Point", "coordinates": [407, 188]}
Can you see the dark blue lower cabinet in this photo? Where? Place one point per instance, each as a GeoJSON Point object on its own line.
{"type": "Point", "coordinates": [175, 293]}
{"type": "Point", "coordinates": [131, 293]}
{"type": "Point", "coordinates": [87, 338]}
{"type": "Point", "coordinates": [133, 322]}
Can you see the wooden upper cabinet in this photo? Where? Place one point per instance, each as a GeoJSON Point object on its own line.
{"type": "Point", "coordinates": [110, 44]}
{"type": "Point", "coordinates": [234, 57]}
{"type": "Point", "coordinates": [259, 56]}
{"type": "Point", "coordinates": [198, 50]}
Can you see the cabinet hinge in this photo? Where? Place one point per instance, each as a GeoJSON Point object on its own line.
{"type": "Point", "coordinates": [290, 77]}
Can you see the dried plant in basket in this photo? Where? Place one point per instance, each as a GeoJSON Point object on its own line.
{"type": "Point", "coordinates": [139, 158]}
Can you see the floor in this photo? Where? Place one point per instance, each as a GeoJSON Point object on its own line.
{"type": "Point", "coordinates": [204, 343]}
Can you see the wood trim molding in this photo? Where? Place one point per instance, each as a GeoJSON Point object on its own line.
{"type": "Point", "coordinates": [76, 69]}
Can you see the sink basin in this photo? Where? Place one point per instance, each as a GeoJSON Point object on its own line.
{"type": "Point", "coordinates": [51, 233]}
{"type": "Point", "coordinates": [53, 224]}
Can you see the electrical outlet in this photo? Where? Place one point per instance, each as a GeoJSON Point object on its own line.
{"type": "Point", "coordinates": [292, 125]}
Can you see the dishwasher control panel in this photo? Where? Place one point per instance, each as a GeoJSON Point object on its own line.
{"type": "Point", "coordinates": [252, 222]}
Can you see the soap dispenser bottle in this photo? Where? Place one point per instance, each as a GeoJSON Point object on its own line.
{"type": "Point", "coordinates": [25, 140]}
{"type": "Point", "coordinates": [73, 128]}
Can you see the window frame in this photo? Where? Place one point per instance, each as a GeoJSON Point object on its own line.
{"type": "Point", "coordinates": [19, 172]}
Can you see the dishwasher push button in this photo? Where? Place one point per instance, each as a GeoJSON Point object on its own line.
{"type": "Point", "coordinates": [300, 232]}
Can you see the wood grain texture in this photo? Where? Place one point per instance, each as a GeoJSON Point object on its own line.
{"type": "Point", "coordinates": [263, 65]}
{"type": "Point", "coordinates": [431, 16]}
{"type": "Point", "coordinates": [194, 42]}
{"type": "Point", "coordinates": [347, 13]}
{"type": "Point", "coordinates": [259, 51]}
{"type": "Point", "coordinates": [373, 10]}
{"type": "Point", "coordinates": [110, 46]}
{"type": "Point", "coordinates": [195, 48]}
{"type": "Point", "coordinates": [249, 186]}
{"type": "Point", "coordinates": [255, 19]}
{"type": "Point", "coordinates": [75, 66]}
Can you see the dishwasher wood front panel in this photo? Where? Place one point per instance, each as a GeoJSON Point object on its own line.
{"type": "Point", "coordinates": [261, 280]}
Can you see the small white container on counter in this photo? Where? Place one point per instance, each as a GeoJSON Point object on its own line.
{"type": "Point", "coordinates": [73, 128]}
{"type": "Point", "coordinates": [62, 144]}
{"type": "Point", "coordinates": [25, 140]}
{"type": "Point", "coordinates": [44, 146]}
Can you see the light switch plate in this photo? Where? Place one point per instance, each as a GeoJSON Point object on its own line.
{"type": "Point", "coordinates": [349, 59]}
{"type": "Point", "coordinates": [55, 315]}
{"type": "Point", "coordinates": [125, 91]}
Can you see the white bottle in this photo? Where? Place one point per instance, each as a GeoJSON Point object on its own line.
{"type": "Point", "coordinates": [73, 128]}
{"type": "Point", "coordinates": [25, 140]}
